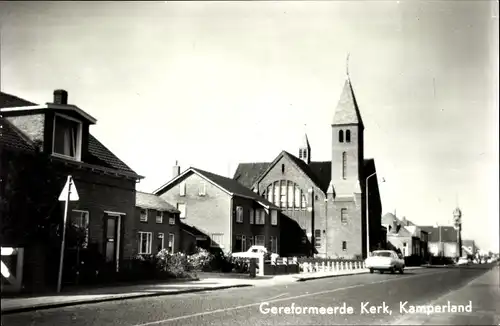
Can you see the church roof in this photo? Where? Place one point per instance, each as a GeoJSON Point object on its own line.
{"type": "Point", "coordinates": [347, 111]}
{"type": "Point", "coordinates": [319, 172]}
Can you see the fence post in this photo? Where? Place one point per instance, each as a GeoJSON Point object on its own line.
{"type": "Point", "coordinates": [316, 267]}
{"type": "Point", "coordinates": [323, 266]}
{"type": "Point", "coordinates": [261, 265]}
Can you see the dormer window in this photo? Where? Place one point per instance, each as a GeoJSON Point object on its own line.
{"type": "Point", "coordinates": [67, 137]}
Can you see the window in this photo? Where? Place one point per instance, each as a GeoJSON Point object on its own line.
{"type": "Point", "coordinates": [282, 168]}
{"type": "Point", "coordinates": [300, 152]}
{"type": "Point", "coordinates": [145, 242]}
{"type": "Point", "coordinates": [304, 201]}
{"type": "Point", "coordinates": [67, 137]}
{"type": "Point", "coordinates": [260, 240]}
{"type": "Point", "coordinates": [159, 217]}
{"type": "Point", "coordinates": [239, 214]}
{"type": "Point", "coordinates": [343, 215]}
{"type": "Point", "coordinates": [217, 240]}
{"type": "Point", "coordinates": [317, 238]}
{"type": "Point", "coordinates": [144, 215]}
{"type": "Point", "coordinates": [171, 242]}
{"type": "Point", "coordinates": [276, 193]}
{"type": "Point", "coordinates": [171, 220]}
{"type": "Point", "coordinates": [290, 194]}
{"type": "Point", "coordinates": [161, 238]}
{"type": "Point", "coordinates": [274, 217]}
{"type": "Point", "coordinates": [182, 208]}
{"type": "Point", "coordinates": [283, 194]}
{"type": "Point", "coordinates": [348, 136]}
{"type": "Point", "coordinates": [274, 244]}
{"type": "Point", "coordinates": [344, 165]}
{"type": "Point", "coordinates": [341, 136]}
{"type": "Point", "coordinates": [240, 244]}
{"type": "Point", "coordinates": [297, 197]}
{"type": "Point", "coordinates": [344, 245]}
{"type": "Point", "coordinates": [270, 193]}
{"type": "Point", "coordinates": [80, 220]}
{"type": "Point", "coordinates": [182, 189]}
{"type": "Point", "coordinates": [251, 214]}
{"type": "Point", "coordinates": [203, 189]}
{"type": "Point", "coordinates": [260, 217]}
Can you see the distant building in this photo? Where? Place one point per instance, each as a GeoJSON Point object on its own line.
{"type": "Point", "coordinates": [405, 236]}
{"type": "Point", "coordinates": [469, 247]}
{"type": "Point", "coordinates": [220, 213]}
{"type": "Point", "coordinates": [326, 199]}
{"type": "Point", "coordinates": [158, 224]}
{"type": "Point", "coordinates": [443, 241]}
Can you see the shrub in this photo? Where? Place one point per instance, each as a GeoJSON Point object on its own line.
{"type": "Point", "coordinates": [201, 260]}
{"type": "Point", "coordinates": [175, 265]}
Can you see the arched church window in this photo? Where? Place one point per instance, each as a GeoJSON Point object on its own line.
{"type": "Point", "coordinates": [290, 194]}
{"type": "Point", "coordinates": [270, 193]}
{"type": "Point", "coordinates": [344, 164]}
{"type": "Point", "coordinates": [341, 136]}
{"type": "Point", "coordinates": [348, 136]}
{"type": "Point", "coordinates": [276, 193]}
{"type": "Point", "coordinates": [297, 197]}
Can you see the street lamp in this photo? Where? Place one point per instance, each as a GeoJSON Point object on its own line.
{"type": "Point", "coordinates": [367, 215]}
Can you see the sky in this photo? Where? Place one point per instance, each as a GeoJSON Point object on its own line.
{"type": "Point", "coordinates": [212, 84]}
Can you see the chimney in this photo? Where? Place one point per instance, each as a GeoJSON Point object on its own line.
{"type": "Point", "coordinates": [176, 170]}
{"type": "Point", "coordinates": [60, 97]}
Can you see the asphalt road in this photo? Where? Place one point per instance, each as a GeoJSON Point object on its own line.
{"type": "Point", "coordinates": [243, 306]}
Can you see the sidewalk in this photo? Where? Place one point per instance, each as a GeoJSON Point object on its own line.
{"type": "Point", "coordinates": [483, 293]}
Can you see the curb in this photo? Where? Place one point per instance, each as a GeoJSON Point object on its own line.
{"type": "Point", "coordinates": [116, 298]}
{"type": "Point", "coordinates": [306, 278]}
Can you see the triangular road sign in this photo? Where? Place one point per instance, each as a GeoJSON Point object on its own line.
{"type": "Point", "coordinates": [73, 196]}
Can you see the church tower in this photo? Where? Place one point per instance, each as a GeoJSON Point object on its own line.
{"type": "Point", "coordinates": [347, 145]}
{"type": "Point", "coordinates": [305, 150]}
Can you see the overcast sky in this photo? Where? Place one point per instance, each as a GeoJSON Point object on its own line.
{"type": "Point", "coordinates": [216, 83]}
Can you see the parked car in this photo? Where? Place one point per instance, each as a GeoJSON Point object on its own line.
{"type": "Point", "coordinates": [253, 252]}
{"type": "Point", "coordinates": [385, 260]}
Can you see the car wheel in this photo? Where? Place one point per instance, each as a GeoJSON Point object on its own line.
{"type": "Point", "coordinates": [392, 270]}
{"type": "Point", "coordinates": [401, 270]}
{"type": "Point", "coordinates": [371, 270]}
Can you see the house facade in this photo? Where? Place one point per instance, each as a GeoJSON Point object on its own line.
{"type": "Point", "coordinates": [406, 237]}
{"type": "Point", "coordinates": [328, 200]}
{"type": "Point", "coordinates": [40, 146]}
{"type": "Point", "coordinates": [158, 225]}
{"type": "Point", "coordinates": [219, 213]}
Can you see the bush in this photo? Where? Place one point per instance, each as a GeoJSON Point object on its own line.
{"type": "Point", "coordinates": [175, 265]}
{"type": "Point", "coordinates": [201, 260]}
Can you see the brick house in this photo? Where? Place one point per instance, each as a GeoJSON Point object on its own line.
{"type": "Point", "coordinates": [218, 212]}
{"type": "Point", "coordinates": [40, 146]}
{"type": "Point", "coordinates": [158, 224]}
{"type": "Point", "coordinates": [335, 190]}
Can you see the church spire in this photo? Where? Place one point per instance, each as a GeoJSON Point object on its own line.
{"type": "Point", "coordinates": [305, 148]}
{"type": "Point", "coordinates": [347, 111]}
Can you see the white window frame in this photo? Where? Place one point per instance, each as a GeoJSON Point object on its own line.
{"type": "Point", "coordinates": [78, 141]}
{"type": "Point", "coordinates": [141, 219]}
{"type": "Point", "coordinates": [215, 244]}
{"type": "Point", "coordinates": [149, 245]}
{"type": "Point", "coordinates": [243, 239]}
{"type": "Point", "coordinates": [161, 217]}
{"type": "Point", "coordinates": [182, 189]}
{"type": "Point", "coordinates": [239, 214]}
{"type": "Point", "coordinates": [260, 217]}
{"type": "Point", "coordinates": [171, 242]}
{"type": "Point", "coordinates": [260, 236]}
{"type": "Point", "coordinates": [251, 212]}
{"type": "Point", "coordinates": [202, 191]}
{"type": "Point", "coordinates": [296, 197]}
{"type": "Point", "coordinates": [183, 213]}
{"type": "Point", "coordinates": [171, 220]}
{"type": "Point", "coordinates": [274, 217]}
{"type": "Point", "coordinates": [86, 225]}
{"type": "Point", "coordinates": [161, 236]}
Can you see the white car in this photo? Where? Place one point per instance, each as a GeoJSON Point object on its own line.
{"type": "Point", "coordinates": [253, 252]}
{"type": "Point", "coordinates": [463, 261]}
{"type": "Point", "coordinates": [385, 260]}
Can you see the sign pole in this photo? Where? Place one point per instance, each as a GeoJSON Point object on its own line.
{"type": "Point", "coordinates": [61, 258]}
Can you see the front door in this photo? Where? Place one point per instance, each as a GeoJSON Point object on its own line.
{"type": "Point", "coordinates": [112, 240]}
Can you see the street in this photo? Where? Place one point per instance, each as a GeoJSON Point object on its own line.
{"type": "Point", "coordinates": [251, 306]}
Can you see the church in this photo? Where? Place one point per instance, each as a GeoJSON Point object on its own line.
{"type": "Point", "coordinates": [326, 200]}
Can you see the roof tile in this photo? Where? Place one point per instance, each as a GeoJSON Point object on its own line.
{"type": "Point", "coordinates": [152, 201]}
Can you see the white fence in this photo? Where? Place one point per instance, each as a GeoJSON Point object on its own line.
{"type": "Point", "coordinates": [12, 269]}
{"type": "Point", "coordinates": [330, 266]}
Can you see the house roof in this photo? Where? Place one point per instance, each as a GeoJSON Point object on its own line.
{"type": "Point", "coordinates": [151, 201]}
{"type": "Point", "coordinates": [229, 185]}
{"type": "Point", "coordinates": [347, 111]}
{"type": "Point", "coordinates": [99, 154]}
{"type": "Point", "coordinates": [319, 172]}
{"type": "Point", "coordinates": [13, 138]}
{"type": "Point", "coordinates": [448, 233]}
{"type": "Point", "coordinates": [194, 231]}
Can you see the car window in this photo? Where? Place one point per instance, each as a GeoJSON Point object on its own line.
{"type": "Point", "coordinates": [382, 254]}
